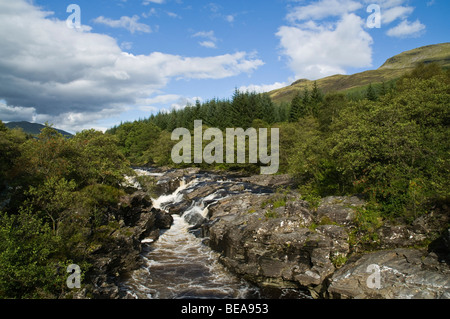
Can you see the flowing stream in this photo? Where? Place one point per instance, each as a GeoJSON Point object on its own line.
{"type": "Point", "coordinates": [178, 265]}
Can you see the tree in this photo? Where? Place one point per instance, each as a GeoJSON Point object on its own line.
{"type": "Point", "coordinates": [28, 267]}
{"type": "Point", "coordinates": [392, 149]}
{"type": "Point", "coordinates": [330, 109]}
{"type": "Point", "coordinates": [99, 159]}
{"type": "Point", "coordinates": [10, 150]}
{"type": "Point", "coordinates": [296, 106]}
{"type": "Point", "coordinates": [316, 99]}
{"type": "Point", "coordinates": [371, 95]}
{"type": "Point", "coordinates": [52, 198]}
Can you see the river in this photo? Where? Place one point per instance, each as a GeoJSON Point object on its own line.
{"type": "Point", "coordinates": [179, 265]}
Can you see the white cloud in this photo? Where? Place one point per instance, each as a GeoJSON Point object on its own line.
{"type": "Point", "coordinates": [126, 45]}
{"type": "Point", "coordinates": [206, 34]}
{"type": "Point", "coordinates": [407, 29]}
{"type": "Point", "coordinates": [129, 23]}
{"type": "Point", "coordinates": [315, 51]}
{"type": "Point", "coordinates": [323, 9]}
{"type": "Point", "coordinates": [78, 77]}
{"type": "Point", "coordinates": [209, 35]}
{"type": "Point", "coordinates": [229, 18]}
{"type": "Point", "coordinates": [263, 87]}
{"type": "Point", "coordinates": [392, 14]}
{"type": "Point", "coordinates": [147, 2]}
{"type": "Point", "coordinates": [208, 44]}
{"type": "Point", "coordinates": [173, 15]}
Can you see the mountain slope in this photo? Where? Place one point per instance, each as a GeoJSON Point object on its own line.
{"type": "Point", "coordinates": [32, 128]}
{"type": "Point", "coordinates": [392, 69]}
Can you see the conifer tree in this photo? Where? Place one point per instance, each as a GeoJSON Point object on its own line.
{"type": "Point", "coordinates": [371, 95]}
{"type": "Point", "coordinates": [315, 100]}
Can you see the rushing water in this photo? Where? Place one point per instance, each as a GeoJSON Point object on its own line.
{"type": "Point", "coordinates": [179, 265]}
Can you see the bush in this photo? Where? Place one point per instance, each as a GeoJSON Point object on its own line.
{"type": "Point", "coordinates": [28, 267]}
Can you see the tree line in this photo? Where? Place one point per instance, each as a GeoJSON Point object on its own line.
{"type": "Point", "coordinates": [390, 142]}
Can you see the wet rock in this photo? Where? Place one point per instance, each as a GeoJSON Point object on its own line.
{"type": "Point", "coordinates": [403, 274]}
{"type": "Point", "coordinates": [398, 236]}
{"type": "Point", "coordinates": [130, 223]}
{"type": "Point", "coordinates": [271, 246]}
{"type": "Point", "coordinates": [441, 247]}
{"type": "Point", "coordinates": [194, 218]}
{"type": "Point", "coordinates": [163, 220]}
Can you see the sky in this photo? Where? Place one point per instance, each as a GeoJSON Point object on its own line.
{"type": "Point", "coordinates": [82, 64]}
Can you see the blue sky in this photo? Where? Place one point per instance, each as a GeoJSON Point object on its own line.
{"type": "Point", "coordinates": [131, 58]}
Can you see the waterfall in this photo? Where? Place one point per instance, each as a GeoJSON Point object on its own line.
{"type": "Point", "coordinates": [178, 264]}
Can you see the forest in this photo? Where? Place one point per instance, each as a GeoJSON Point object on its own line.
{"type": "Point", "coordinates": [391, 145]}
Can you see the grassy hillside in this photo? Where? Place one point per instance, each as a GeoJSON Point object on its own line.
{"type": "Point", "coordinates": [392, 69]}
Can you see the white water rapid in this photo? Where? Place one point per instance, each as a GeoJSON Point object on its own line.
{"type": "Point", "coordinates": [178, 265]}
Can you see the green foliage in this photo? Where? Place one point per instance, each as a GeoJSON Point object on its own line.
{"type": "Point", "coordinates": [371, 95]}
{"type": "Point", "coordinates": [52, 198]}
{"type": "Point", "coordinates": [28, 268]}
{"type": "Point", "coordinates": [99, 159]}
{"type": "Point", "coordinates": [271, 214]}
{"type": "Point", "coordinates": [392, 149]}
{"type": "Point", "coordinates": [60, 193]}
{"type": "Point", "coordinates": [10, 141]}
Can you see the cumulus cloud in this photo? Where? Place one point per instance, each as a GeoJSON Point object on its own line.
{"type": "Point", "coordinates": [394, 10]}
{"type": "Point", "coordinates": [326, 37]}
{"type": "Point", "coordinates": [318, 50]}
{"type": "Point", "coordinates": [54, 71]}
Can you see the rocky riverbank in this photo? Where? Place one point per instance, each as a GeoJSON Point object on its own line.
{"type": "Point", "coordinates": [267, 235]}
{"type": "Point", "coordinates": [276, 240]}
{"type": "Point", "coordinates": [132, 221]}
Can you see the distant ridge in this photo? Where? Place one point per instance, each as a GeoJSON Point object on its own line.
{"type": "Point", "coordinates": [32, 128]}
{"type": "Point", "coordinates": [391, 70]}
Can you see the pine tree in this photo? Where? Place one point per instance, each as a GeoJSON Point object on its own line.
{"type": "Point", "coordinates": [371, 95]}
{"type": "Point", "coordinates": [383, 89]}
{"type": "Point", "coordinates": [268, 109]}
{"type": "Point", "coordinates": [315, 100]}
{"type": "Point", "coordinates": [296, 106]}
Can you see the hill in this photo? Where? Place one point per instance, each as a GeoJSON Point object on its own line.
{"type": "Point", "coordinates": [391, 70]}
{"type": "Point", "coordinates": [32, 128]}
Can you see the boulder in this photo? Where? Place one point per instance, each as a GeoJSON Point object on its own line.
{"type": "Point", "coordinates": [271, 246]}
{"type": "Point", "coordinates": [403, 274]}
{"type": "Point", "coordinates": [273, 181]}
{"type": "Point", "coordinates": [194, 218]}
{"type": "Point", "coordinates": [339, 209]}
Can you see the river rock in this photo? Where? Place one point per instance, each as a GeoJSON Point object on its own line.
{"type": "Point", "coordinates": [403, 274]}
{"type": "Point", "coordinates": [194, 218]}
{"type": "Point", "coordinates": [339, 209]}
{"type": "Point", "coordinates": [172, 179]}
{"type": "Point", "coordinates": [271, 246]}
{"type": "Point", "coordinates": [127, 226]}
{"type": "Point", "coordinates": [273, 181]}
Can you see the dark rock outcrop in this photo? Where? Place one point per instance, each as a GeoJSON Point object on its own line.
{"type": "Point", "coordinates": [275, 247]}
{"type": "Point", "coordinates": [287, 244]}
{"type": "Point", "coordinates": [133, 221]}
